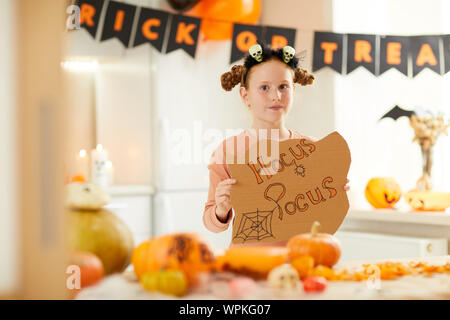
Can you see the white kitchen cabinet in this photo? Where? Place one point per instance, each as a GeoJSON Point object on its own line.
{"type": "Point", "coordinates": [360, 246]}
{"type": "Point", "coordinates": [133, 204]}
{"type": "Point", "coordinates": [393, 233]}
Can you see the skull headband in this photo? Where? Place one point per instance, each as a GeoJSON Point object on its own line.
{"type": "Point", "coordinates": [256, 52]}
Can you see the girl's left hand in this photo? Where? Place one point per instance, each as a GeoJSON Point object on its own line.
{"type": "Point", "coordinates": [347, 187]}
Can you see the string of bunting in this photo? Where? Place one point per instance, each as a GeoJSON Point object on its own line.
{"type": "Point", "coordinates": [166, 32]}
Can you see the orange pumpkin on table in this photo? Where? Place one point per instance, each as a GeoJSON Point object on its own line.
{"type": "Point", "coordinates": [324, 248]}
{"type": "Point", "coordinates": [382, 193]}
{"type": "Point", "coordinates": [91, 268]}
{"type": "Point", "coordinates": [255, 262]}
{"type": "Point", "coordinates": [304, 266]}
{"type": "Point", "coordinates": [186, 252]}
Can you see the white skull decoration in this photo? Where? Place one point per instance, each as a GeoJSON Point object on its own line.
{"type": "Point", "coordinates": [288, 53]}
{"type": "Point", "coordinates": [256, 52]}
{"type": "Point", "coordinates": [283, 277]}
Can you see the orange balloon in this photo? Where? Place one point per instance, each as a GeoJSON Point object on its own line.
{"type": "Point", "coordinates": [218, 16]}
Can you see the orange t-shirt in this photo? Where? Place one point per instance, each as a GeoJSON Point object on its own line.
{"type": "Point", "coordinates": [218, 171]}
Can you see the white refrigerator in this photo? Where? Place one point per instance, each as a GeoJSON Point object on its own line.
{"type": "Point", "coordinates": [191, 115]}
{"type": "Point", "coordinates": [160, 116]}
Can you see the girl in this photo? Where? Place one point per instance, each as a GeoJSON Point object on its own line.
{"type": "Point", "coordinates": [267, 81]}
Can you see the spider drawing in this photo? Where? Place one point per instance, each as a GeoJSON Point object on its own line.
{"type": "Point", "coordinates": [300, 170]}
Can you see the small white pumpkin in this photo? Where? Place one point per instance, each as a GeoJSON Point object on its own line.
{"type": "Point", "coordinates": [85, 196]}
{"type": "Point", "coordinates": [283, 277]}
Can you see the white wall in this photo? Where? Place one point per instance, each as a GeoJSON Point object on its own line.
{"type": "Point", "coordinates": [81, 115]}
{"type": "Point", "coordinates": [9, 244]}
{"type": "Point", "coordinates": [313, 111]}
{"type": "Point", "coordinates": [111, 104]}
{"type": "Point", "coordinates": [351, 104]}
{"type": "Point", "coordinates": [124, 115]}
{"type": "Point", "coordinates": [384, 148]}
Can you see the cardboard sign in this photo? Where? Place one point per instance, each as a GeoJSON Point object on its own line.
{"type": "Point", "coordinates": [278, 196]}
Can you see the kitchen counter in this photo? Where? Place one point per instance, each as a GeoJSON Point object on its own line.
{"type": "Point", "coordinates": [130, 190]}
{"type": "Point", "coordinates": [439, 218]}
{"type": "Point", "coordinates": [399, 222]}
{"type": "Point", "coordinates": [437, 286]}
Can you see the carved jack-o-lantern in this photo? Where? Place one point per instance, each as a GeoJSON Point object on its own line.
{"type": "Point", "coordinates": [187, 252]}
{"type": "Point", "coordinates": [382, 192]}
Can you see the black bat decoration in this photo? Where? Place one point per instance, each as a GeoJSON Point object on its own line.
{"type": "Point", "coordinates": [397, 112]}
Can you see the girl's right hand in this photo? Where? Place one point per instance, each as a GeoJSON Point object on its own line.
{"type": "Point", "coordinates": [223, 200]}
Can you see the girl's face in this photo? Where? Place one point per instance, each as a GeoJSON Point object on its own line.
{"type": "Point", "coordinates": [269, 92]}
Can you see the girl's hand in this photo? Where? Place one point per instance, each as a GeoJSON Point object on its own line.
{"type": "Point", "coordinates": [347, 187]}
{"type": "Point", "coordinates": [223, 200]}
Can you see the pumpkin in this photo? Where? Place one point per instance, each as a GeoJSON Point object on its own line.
{"type": "Point", "coordinates": [382, 193]}
{"type": "Point", "coordinates": [171, 282]}
{"type": "Point", "coordinates": [186, 252]}
{"type": "Point", "coordinates": [91, 268]}
{"type": "Point", "coordinates": [252, 261]}
{"type": "Point", "coordinates": [428, 200]}
{"type": "Point", "coordinates": [78, 178]}
{"type": "Point", "coordinates": [283, 277]}
{"type": "Point", "coordinates": [103, 234]}
{"type": "Point", "coordinates": [304, 266]}
{"type": "Point", "coordinates": [324, 248]}
{"type": "Point", "coordinates": [96, 230]}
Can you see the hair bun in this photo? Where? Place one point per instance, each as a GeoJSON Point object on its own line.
{"type": "Point", "coordinates": [231, 78]}
{"type": "Point", "coordinates": [303, 77]}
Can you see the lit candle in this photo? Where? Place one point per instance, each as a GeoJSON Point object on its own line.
{"type": "Point", "coordinates": [110, 172]}
{"type": "Point", "coordinates": [81, 167]}
{"type": "Point", "coordinates": [99, 158]}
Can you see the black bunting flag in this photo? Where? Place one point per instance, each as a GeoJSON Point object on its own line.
{"type": "Point", "coordinates": [90, 11]}
{"type": "Point", "coordinates": [361, 52]}
{"type": "Point", "coordinates": [183, 34]}
{"type": "Point", "coordinates": [119, 22]}
{"type": "Point", "coordinates": [151, 28]}
{"type": "Point", "coordinates": [244, 36]}
{"type": "Point", "coordinates": [328, 51]}
{"type": "Point", "coordinates": [394, 54]}
{"type": "Point", "coordinates": [279, 37]}
{"type": "Point", "coordinates": [168, 32]}
{"type": "Point", "coordinates": [446, 46]}
{"type": "Point", "coordinates": [425, 53]}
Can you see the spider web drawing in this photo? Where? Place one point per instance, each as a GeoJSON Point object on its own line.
{"type": "Point", "coordinates": [255, 225]}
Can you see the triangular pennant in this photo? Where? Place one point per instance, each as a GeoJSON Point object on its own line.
{"type": "Point", "coordinates": [424, 51]}
{"type": "Point", "coordinates": [151, 28]}
{"type": "Point", "coordinates": [244, 36]}
{"type": "Point", "coordinates": [278, 37]}
{"type": "Point", "coordinates": [394, 54]}
{"type": "Point", "coordinates": [183, 34]}
{"type": "Point", "coordinates": [361, 52]}
{"type": "Point", "coordinates": [328, 51]}
{"type": "Point", "coordinates": [90, 11]}
{"type": "Point", "coordinates": [118, 22]}
{"type": "Point", "coordinates": [446, 46]}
